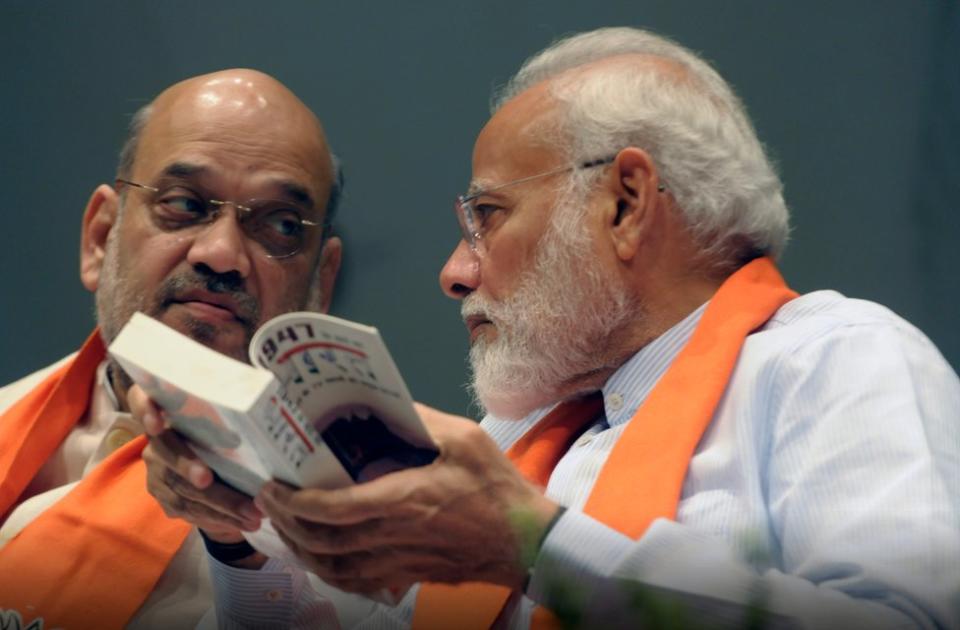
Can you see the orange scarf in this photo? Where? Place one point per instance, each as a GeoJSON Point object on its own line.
{"type": "Point", "coordinates": [91, 559]}
{"type": "Point", "coordinates": [643, 475]}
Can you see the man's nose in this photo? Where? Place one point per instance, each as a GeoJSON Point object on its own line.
{"type": "Point", "coordinates": [460, 276]}
{"type": "Point", "coordinates": [222, 245]}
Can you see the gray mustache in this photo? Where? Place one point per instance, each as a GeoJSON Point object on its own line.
{"type": "Point", "coordinates": [228, 284]}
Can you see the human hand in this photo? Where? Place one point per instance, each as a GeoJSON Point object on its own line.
{"type": "Point", "coordinates": [183, 485]}
{"type": "Point", "coordinates": [452, 521]}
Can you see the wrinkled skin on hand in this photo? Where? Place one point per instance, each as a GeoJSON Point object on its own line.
{"type": "Point", "coordinates": [183, 485]}
{"type": "Point", "coordinates": [451, 521]}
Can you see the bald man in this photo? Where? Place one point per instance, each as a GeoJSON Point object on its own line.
{"type": "Point", "coordinates": [179, 237]}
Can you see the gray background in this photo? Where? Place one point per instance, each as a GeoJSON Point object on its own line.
{"type": "Point", "coordinates": [858, 101]}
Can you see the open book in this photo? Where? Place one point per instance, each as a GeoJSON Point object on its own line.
{"type": "Point", "coordinates": [322, 404]}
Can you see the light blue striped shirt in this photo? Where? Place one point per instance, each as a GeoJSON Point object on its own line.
{"type": "Point", "coordinates": [828, 483]}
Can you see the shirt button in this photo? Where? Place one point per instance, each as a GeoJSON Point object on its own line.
{"type": "Point", "coordinates": [117, 438]}
{"type": "Point", "coordinates": [273, 596]}
{"type": "Point", "coordinates": [615, 401]}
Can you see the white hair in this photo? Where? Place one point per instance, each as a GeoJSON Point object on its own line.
{"type": "Point", "coordinates": [684, 115]}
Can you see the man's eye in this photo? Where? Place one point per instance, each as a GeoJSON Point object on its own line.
{"type": "Point", "coordinates": [283, 222]}
{"type": "Point", "coordinates": [279, 231]}
{"type": "Point", "coordinates": [483, 211]}
{"type": "Point", "coordinates": [181, 207]}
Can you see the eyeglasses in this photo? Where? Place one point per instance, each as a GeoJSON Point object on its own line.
{"type": "Point", "coordinates": [473, 217]}
{"type": "Point", "coordinates": [278, 227]}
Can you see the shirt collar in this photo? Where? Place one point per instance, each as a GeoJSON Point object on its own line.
{"type": "Point", "coordinates": [624, 391]}
{"type": "Point", "coordinates": [106, 386]}
{"type": "Point", "coordinates": [629, 386]}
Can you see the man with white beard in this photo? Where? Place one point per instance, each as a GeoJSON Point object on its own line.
{"type": "Point", "coordinates": [667, 423]}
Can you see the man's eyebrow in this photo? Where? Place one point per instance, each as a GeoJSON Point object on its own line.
{"type": "Point", "coordinates": [478, 186]}
{"type": "Point", "coordinates": [184, 169]}
{"type": "Point", "coordinates": [291, 190]}
{"type": "Point", "coordinates": [297, 193]}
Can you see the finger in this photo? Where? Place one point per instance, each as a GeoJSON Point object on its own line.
{"type": "Point", "coordinates": [176, 505]}
{"type": "Point", "coordinates": [223, 499]}
{"type": "Point", "coordinates": [358, 567]}
{"type": "Point", "coordinates": [317, 538]}
{"type": "Point", "coordinates": [321, 538]}
{"type": "Point", "coordinates": [377, 569]}
{"type": "Point", "coordinates": [175, 453]}
{"type": "Point", "coordinates": [380, 498]}
{"type": "Point", "coordinates": [386, 496]}
{"type": "Point", "coordinates": [318, 505]}
{"type": "Point", "coordinates": [143, 409]}
{"type": "Point", "coordinates": [163, 481]}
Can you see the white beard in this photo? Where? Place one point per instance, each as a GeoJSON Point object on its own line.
{"type": "Point", "coordinates": [554, 329]}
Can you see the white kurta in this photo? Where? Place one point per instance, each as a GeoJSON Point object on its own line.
{"type": "Point", "coordinates": [183, 592]}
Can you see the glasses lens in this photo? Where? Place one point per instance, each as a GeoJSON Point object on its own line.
{"type": "Point", "coordinates": [468, 222]}
{"type": "Point", "coordinates": [276, 226]}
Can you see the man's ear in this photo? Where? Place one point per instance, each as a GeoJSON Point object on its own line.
{"type": "Point", "coordinates": [634, 181]}
{"type": "Point", "coordinates": [99, 218]}
{"type": "Point", "coordinates": [326, 278]}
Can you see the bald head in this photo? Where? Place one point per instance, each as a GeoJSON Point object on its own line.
{"type": "Point", "coordinates": [245, 106]}
{"type": "Point", "coordinates": [226, 181]}
{"type": "Point", "coordinates": [242, 92]}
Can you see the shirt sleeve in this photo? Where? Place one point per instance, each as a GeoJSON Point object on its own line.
{"type": "Point", "coordinates": [273, 598]}
{"type": "Point", "coordinates": [860, 466]}
{"type": "Point", "coordinates": [279, 596]}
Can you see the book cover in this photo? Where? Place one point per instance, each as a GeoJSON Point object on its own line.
{"type": "Point", "coordinates": [322, 403]}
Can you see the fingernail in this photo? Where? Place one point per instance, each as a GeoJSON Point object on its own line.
{"type": "Point", "coordinates": [200, 476]}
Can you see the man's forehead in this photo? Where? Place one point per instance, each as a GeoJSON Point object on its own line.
{"type": "Point", "coordinates": [247, 126]}
{"type": "Point", "coordinates": [218, 163]}
{"type": "Point", "coordinates": [520, 139]}
{"type": "Point", "coordinates": [206, 131]}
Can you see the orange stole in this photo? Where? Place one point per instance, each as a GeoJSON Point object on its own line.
{"type": "Point", "coordinates": [643, 475]}
{"type": "Point", "coordinates": [91, 559]}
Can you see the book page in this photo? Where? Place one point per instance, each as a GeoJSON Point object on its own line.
{"type": "Point", "coordinates": [355, 407]}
